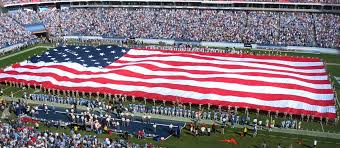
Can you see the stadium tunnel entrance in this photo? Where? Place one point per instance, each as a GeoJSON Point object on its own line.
{"type": "Point", "coordinates": [42, 35]}
{"type": "Point", "coordinates": [39, 30]}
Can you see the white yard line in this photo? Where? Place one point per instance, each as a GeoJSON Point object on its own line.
{"type": "Point", "coordinates": [333, 64]}
{"type": "Point", "coordinates": [322, 127]}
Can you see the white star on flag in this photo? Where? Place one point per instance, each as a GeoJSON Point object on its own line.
{"type": "Point", "coordinates": [90, 56]}
{"type": "Point", "coordinates": [77, 47]}
{"type": "Point", "coordinates": [98, 49]}
{"type": "Point", "coordinates": [123, 51]}
{"type": "Point", "coordinates": [113, 51]}
{"type": "Point", "coordinates": [101, 54]}
{"type": "Point", "coordinates": [116, 57]}
{"type": "Point", "coordinates": [47, 53]}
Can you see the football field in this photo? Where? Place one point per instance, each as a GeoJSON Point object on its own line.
{"type": "Point", "coordinates": [216, 139]}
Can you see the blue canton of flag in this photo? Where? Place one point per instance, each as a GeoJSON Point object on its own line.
{"type": "Point", "coordinates": [87, 56]}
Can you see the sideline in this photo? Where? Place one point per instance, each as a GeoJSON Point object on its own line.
{"type": "Point", "coordinates": [182, 119]}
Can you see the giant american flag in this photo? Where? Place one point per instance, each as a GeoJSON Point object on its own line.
{"type": "Point", "coordinates": [276, 83]}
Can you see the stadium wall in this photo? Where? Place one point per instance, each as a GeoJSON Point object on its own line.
{"type": "Point", "coordinates": [9, 48]}
{"type": "Point", "coordinates": [17, 46]}
{"type": "Point", "coordinates": [315, 50]}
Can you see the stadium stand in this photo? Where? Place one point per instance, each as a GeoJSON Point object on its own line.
{"type": "Point", "coordinates": [261, 27]}
{"type": "Point", "coordinates": [11, 32]}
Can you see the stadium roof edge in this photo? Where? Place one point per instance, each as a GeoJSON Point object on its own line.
{"type": "Point", "coordinates": [187, 1]}
{"type": "Point", "coordinates": [232, 5]}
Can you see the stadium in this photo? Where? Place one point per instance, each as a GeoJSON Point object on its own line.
{"type": "Point", "coordinates": [169, 73]}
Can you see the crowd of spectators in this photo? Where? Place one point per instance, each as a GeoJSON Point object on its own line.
{"type": "Point", "coordinates": [276, 28]}
{"type": "Point", "coordinates": [26, 17]}
{"type": "Point", "coordinates": [284, 1]}
{"type": "Point", "coordinates": [327, 28]}
{"type": "Point", "coordinates": [261, 27]}
{"type": "Point", "coordinates": [297, 28]}
{"type": "Point", "coordinates": [11, 32]}
{"type": "Point", "coordinates": [19, 135]}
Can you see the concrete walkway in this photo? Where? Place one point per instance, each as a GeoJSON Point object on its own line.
{"type": "Point", "coordinates": [279, 130]}
{"type": "Point", "coordinates": [23, 51]}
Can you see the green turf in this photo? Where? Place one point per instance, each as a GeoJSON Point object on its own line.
{"type": "Point", "coordinates": [21, 57]}
{"type": "Point", "coordinates": [329, 58]}
{"type": "Point", "coordinates": [23, 49]}
{"type": "Point", "coordinates": [213, 141]}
